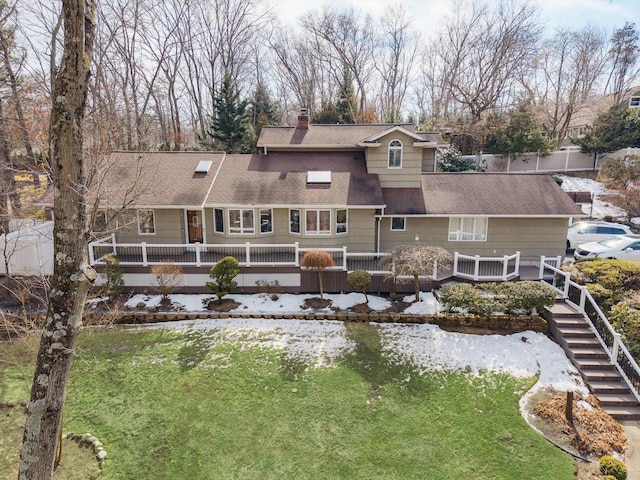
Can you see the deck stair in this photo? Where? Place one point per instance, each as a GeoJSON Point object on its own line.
{"type": "Point", "coordinates": [572, 332]}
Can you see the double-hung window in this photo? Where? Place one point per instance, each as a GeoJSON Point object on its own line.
{"type": "Point", "coordinates": [218, 220]}
{"type": "Point", "coordinates": [266, 220]}
{"type": "Point", "coordinates": [318, 222]}
{"type": "Point", "coordinates": [294, 221]}
{"type": "Point", "coordinates": [395, 154]}
{"type": "Point", "coordinates": [241, 222]}
{"type": "Point", "coordinates": [471, 229]}
{"type": "Point", "coordinates": [341, 221]}
{"type": "Point", "coordinates": [146, 222]}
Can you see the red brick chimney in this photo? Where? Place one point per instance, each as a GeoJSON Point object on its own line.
{"type": "Point", "coordinates": [303, 119]}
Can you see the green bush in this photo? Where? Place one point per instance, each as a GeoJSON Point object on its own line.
{"type": "Point", "coordinates": [614, 467]}
{"type": "Point", "coordinates": [223, 274]}
{"type": "Point", "coordinates": [525, 296]}
{"type": "Point", "coordinates": [360, 280]}
{"type": "Point", "coordinates": [626, 320]}
{"type": "Point", "coordinates": [507, 297]}
{"type": "Point", "coordinates": [114, 274]}
{"type": "Point", "coordinates": [608, 281]}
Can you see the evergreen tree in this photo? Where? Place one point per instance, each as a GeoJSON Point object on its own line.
{"type": "Point", "coordinates": [262, 110]}
{"type": "Point", "coordinates": [347, 106]}
{"type": "Point", "coordinates": [231, 127]}
{"type": "Point", "coordinates": [517, 132]}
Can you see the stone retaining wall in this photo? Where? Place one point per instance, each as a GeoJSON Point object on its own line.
{"type": "Point", "coordinates": [495, 323]}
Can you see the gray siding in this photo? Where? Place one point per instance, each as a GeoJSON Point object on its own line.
{"type": "Point", "coordinates": [378, 160]}
{"type": "Point", "coordinates": [169, 223]}
{"type": "Point", "coordinates": [532, 237]}
{"type": "Point", "coordinates": [360, 236]}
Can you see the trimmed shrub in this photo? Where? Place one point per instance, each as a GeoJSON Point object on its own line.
{"type": "Point", "coordinates": [167, 278]}
{"type": "Point", "coordinates": [614, 467]}
{"type": "Point", "coordinates": [223, 274]}
{"type": "Point", "coordinates": [608, 281]}
{"type": "Point", "coordinates": [318, 260]}
{"type": "Point", "coordinates": [506, 297]}
{"type": "Point", "coordinates": [115, 276]}
{"type": "Point", "coordinates": [626, 320]}
{"type": "Point", "coordinates": [360, 280]}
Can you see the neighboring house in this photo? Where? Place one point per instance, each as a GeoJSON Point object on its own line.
{"type": "Point", "coordinates": [351, 189]}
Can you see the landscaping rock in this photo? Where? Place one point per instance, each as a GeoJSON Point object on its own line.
{"type": "Point", "coordinates": [101, 455]}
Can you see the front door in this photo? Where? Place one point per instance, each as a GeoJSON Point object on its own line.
{"type": "Point", "coordinates": [194, 222]}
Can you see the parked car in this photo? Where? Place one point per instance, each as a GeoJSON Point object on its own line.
{"type": "Point", "coordinates": [622, 247]}
{"type": "Point", "coordinates": [587, 231]}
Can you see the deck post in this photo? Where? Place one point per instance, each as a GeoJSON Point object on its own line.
{"type": "Point", "coordinates": [476, 268]}
{"type": "Point", "coordinates": [505, 266]}
{"type": "Point", "coordinates": [247, 253]}
{"type": "Point", "coordinates": [113, 242]}
{"type": "Point", "coordinates": [615, 348]}
{"type": "Point", "coordinates": [198, 264]}
{"type": "Point", "coordinates": [542, 262]}
{"type": "Point", "coordinates": [517, 268]}
{"type": "Point", "coordinates": [145, 263]}
{"type": "Point", "coordinates": [297, 253]}
{"type": "Point", "coordinates": [455, 263]}
{"type": "Point", "coordinates": [344, 258]}
{"type": "Point", "coordinates": [583, 298]}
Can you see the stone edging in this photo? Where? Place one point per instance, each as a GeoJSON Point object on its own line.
{"type": "Point", "coordinates": [89, 440]}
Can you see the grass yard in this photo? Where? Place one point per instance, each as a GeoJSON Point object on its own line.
{"type": "Point", "coordinates": [171, 405]}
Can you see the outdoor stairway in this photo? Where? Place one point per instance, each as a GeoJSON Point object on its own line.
{"type": "Point", "coordinates": [572, 332]}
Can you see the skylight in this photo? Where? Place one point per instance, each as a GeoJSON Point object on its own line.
{"type": "Point", "coordinates": [322, 176]}
{"type": "Point", "coordinates": [203, 166]}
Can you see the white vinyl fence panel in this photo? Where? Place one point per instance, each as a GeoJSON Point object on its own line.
{"type": "Point", "coordinates": [27, 251]}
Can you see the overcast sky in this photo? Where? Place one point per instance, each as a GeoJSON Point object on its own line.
{"type": "Point", "coordinates": [610, 14]}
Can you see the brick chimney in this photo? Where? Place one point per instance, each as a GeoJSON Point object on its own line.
{"type": "Point", "coordinates": [303, 119]}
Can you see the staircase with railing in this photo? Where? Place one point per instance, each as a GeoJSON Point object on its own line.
{"type": "Point", "coordinates": [592, 344]}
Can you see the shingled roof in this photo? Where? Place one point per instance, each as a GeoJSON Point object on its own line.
{"type": "Point", "coordinates": [156, 179]}
{"type": "Point", "coordinates": [482, 194]}
{"type": "Point", "coordinates": [280, 179]}
{"type": "Point", "coordinates": [334, 136]}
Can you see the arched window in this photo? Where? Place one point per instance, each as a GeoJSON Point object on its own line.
{"type": "Point", "coordinates": [395, 154]}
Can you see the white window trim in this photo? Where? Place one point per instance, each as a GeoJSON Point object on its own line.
{"type": "Point", "coordinates": [458, 233]}
{"type": "Point", "coordinates": [346, 221]}
{"type": "Point", "coordinates": [394, 148]}
{"type": "Point", "coordinates": [242, 228]}
{"type": "Point", "coordinates": [270, 210]}
{"type": "Point", "coordinates": [153, 220]}
{"type": "Point", "coordinates": [318, 233]}
{"type": "Point", "coordinates": [299, 220]}
{"type": "Point", "coordinates": [404, 224]}
{"type": "Point", "coordinates": [634, 101]}
{"type": "Point", "coordinates": [215, 223]}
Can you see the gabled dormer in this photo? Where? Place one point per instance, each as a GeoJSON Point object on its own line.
{"type": "Point", "coordinates": [399, 155]}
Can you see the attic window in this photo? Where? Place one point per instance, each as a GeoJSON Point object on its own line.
{"type": "Point", "coordinates": [634, 102]}
{"type": "Point", "coordinates": [203, 166]}
{"type": "Point", "coordinates": [319, 177]}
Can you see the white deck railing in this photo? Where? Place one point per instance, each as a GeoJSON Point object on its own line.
{"type": "Point", "coordinates": [579, 297]}
{"type": "Point", "coordinates": [475, 267]}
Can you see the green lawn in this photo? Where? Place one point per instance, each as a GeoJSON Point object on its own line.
{"type": "Point", "coordinates": [172, 405]}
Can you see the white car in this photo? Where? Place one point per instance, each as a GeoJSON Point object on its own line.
{"type": "Point", "coordinates": [586, 231]}
{"type": "Point", "coordinates": [621, 247]}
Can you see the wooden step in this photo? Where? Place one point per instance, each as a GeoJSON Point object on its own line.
{"type": "Point", "coordinates": [589, 364]}
{"type": "Point", "coordinates": [617, 400]}
{"type": "Point", "coordinates": [623, 414]}
{"type": "Point", "coordinates": [588, 352]}
{"type": "Point", "coordinates": [608, 388]}
{"type": "Point", "coordinates": [601, 376]}
{"type": "Point", "coordinates": [582, 342]}
{"type": "Point", "coordinates": [569, 332]}
{"type": "Point", "coordinates": [569, 322]}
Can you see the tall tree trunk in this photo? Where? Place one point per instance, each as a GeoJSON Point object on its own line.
{"type": "Point", "coordinates": [71, 275]}
{"type": "Point", "coordinates": [9, 174]}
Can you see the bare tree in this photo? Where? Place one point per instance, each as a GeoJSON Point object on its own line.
{"type": "Point", "coordinates": [623, 55]}
{"type": "Point", "coordinates": [571, 62]}
{"type": "Point", "coordinates": [408, 263]}
{"type": "Point", "coordinates": [399, 47]}
{"type": "Point", "coordinates": [486, 51]}
{"type": "Point", "coordinates": [72, 276]}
